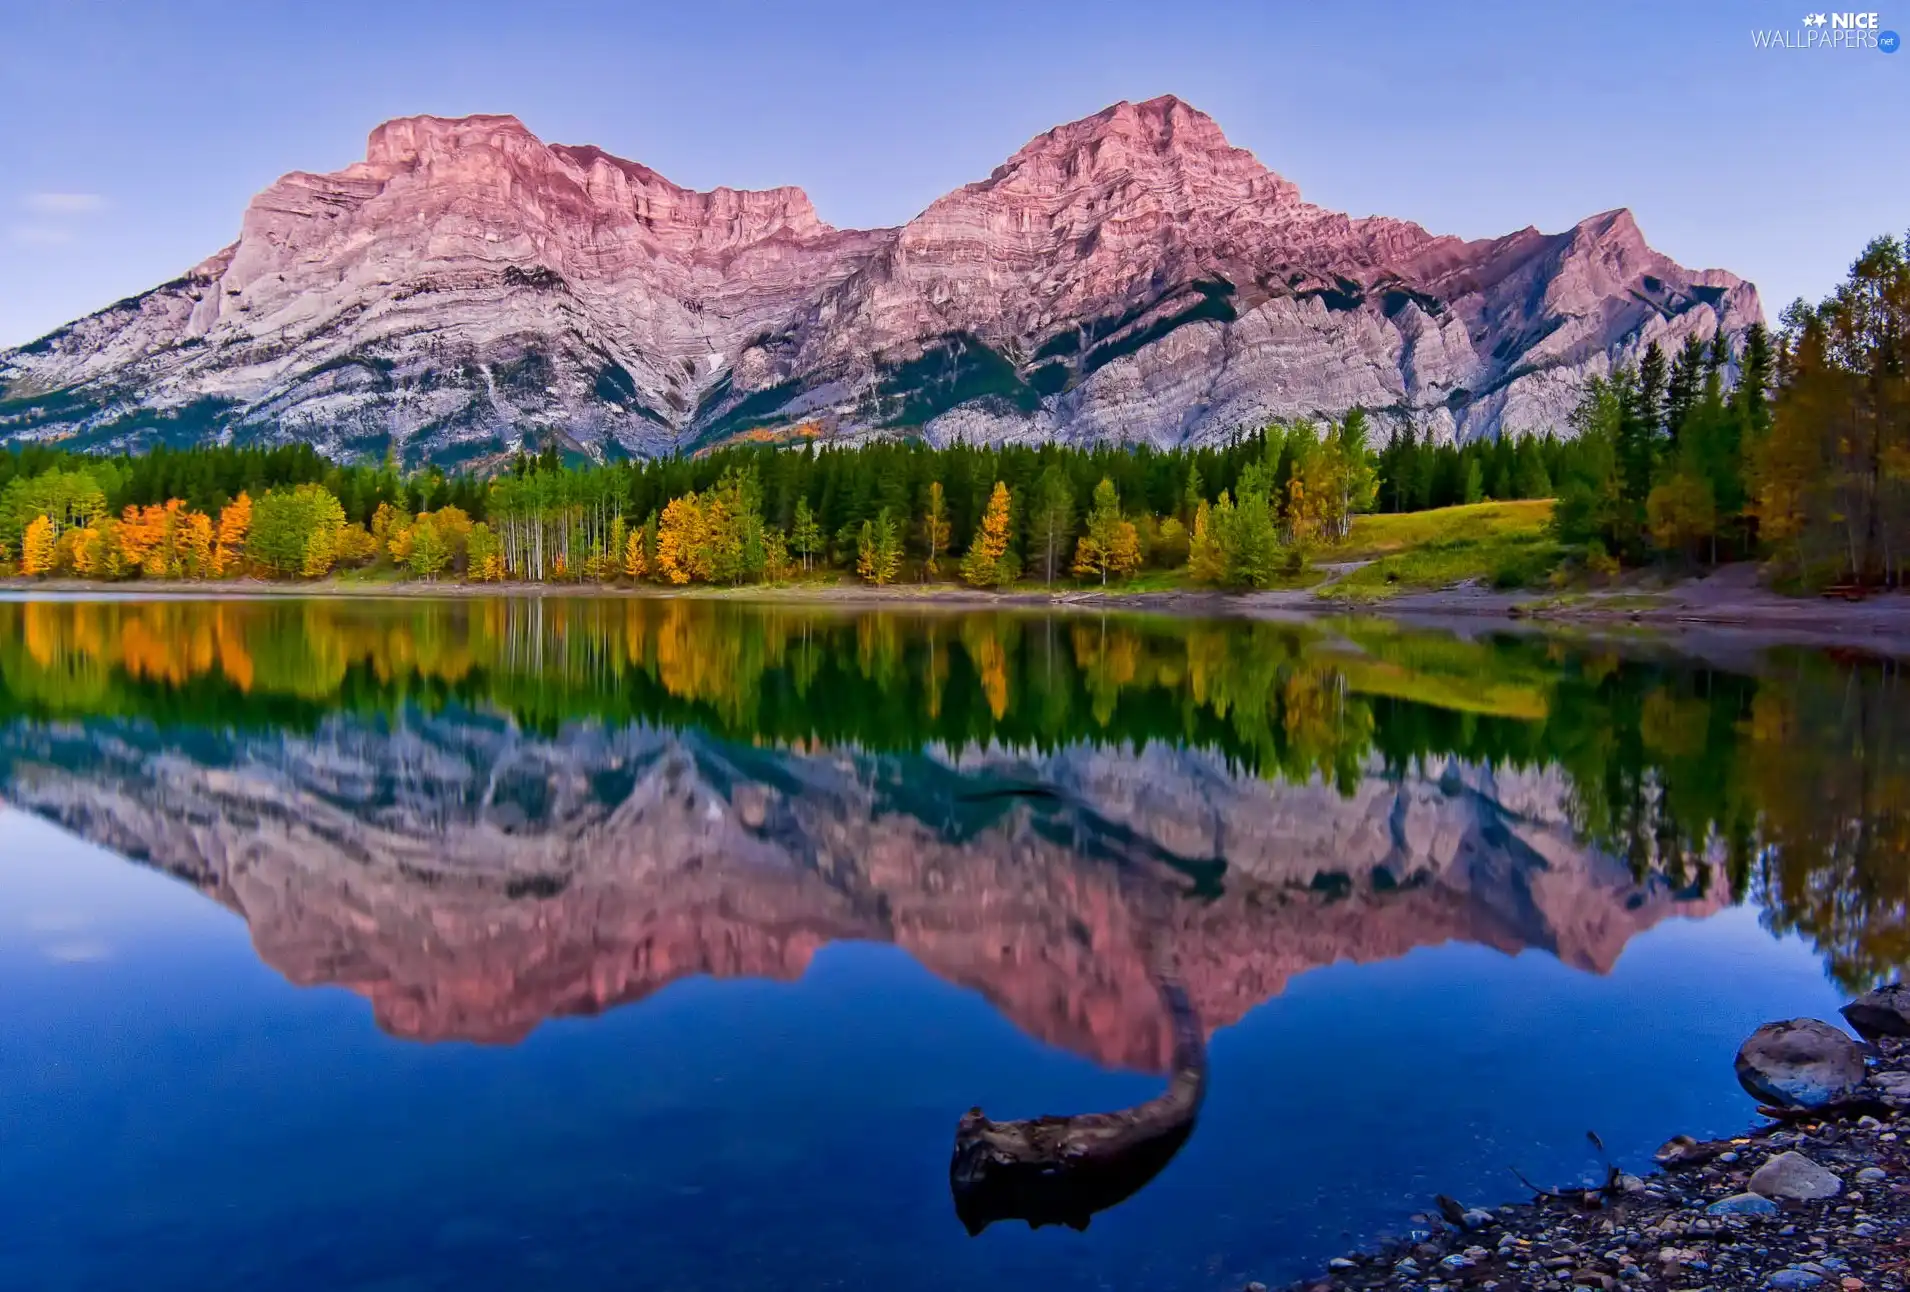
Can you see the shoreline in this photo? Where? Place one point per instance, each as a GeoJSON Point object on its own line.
{"type": "Point", "coordinates": [1695, 1222]}
{"type": "Point", "coordinates": [1729, 602]}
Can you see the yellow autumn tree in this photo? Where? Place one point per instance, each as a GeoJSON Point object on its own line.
{"type": "Point", "coordinates": [680, 538]}
{"type": "Point", "coordinates": [987, 565]}
{"type": "Point", "coordinates": [1206, 558]}
{"type": "Point", "coordinates": [235, 522]}
{"type": "Point", "coordinates": [636, 563]}
{"type": "Point", "coordinates": [36, 548]}
{"type": "Point", "coordinates": [1112, 545]}
{"type": "Point", "coordinates": [485, 555]}
{"type": "Point", "coordinates": [195, 545]}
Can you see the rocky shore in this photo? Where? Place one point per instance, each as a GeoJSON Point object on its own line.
{"type": "Point", "coordinates": [1817, 1197]}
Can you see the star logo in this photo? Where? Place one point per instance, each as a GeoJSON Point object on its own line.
{"type": "Point", "coordinates": [1814, 20]}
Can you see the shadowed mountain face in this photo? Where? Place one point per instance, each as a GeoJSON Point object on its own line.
{"type": "Point", "coordinates": [1131, 276]}
{"type": "Point", "coordinates": [471, 880]}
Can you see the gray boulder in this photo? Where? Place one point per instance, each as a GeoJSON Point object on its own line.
{"type": "Point", "coordinates": [1802, 1063]}
{"type": "Point", "coordinates": [1794, 1176]}
{"type": "Point", "coordinates": [1880, 1013]}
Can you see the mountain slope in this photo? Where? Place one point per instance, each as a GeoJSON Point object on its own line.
{"type": "Point", "coordinates": [467, 288]}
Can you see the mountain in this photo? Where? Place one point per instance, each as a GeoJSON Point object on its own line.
{"type": "Point", "coordinates": [1132, 276]}
{"type": "Point", "coordinates": [472, 879]}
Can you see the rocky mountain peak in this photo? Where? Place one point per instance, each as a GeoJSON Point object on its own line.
{"type": "Point", "coordinates": [405, 143]}
{"type": "Point", "coordinates": [468, 289]}
{"type": "Point", "coordinates": [1162, 141]}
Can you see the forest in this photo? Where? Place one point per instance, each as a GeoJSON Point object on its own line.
{"type": "Point", "coordinates": [1792, 449]}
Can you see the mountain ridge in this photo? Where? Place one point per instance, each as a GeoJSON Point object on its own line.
{"type": "Point", "coordinates": [1132, 276]}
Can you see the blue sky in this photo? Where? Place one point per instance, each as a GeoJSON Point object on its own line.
{"type": "Point", "coordinates": [135, 133]}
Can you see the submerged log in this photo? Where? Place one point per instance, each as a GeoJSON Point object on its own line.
{"type": "Point", "coordinates": [1061, 1170]}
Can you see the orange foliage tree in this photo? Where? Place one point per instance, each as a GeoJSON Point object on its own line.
{"type": "Point", "coordinates": [235, 522]}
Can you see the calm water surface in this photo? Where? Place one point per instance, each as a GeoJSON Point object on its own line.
{"type": "Point", "coordinates": [663, 944]}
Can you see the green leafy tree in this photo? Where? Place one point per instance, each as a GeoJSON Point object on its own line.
{"type": "Point", "coordinates": [294, 531]}
{"type": "Point", "coordinates": [805, 536]}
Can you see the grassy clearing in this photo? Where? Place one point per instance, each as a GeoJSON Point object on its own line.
{"type": "Point", "coordinates": [1499, 544]}
{"type": "Point", "coordinates": [1385, 535]}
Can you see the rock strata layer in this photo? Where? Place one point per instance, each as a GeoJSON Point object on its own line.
{"type": "Point", "coordinates": [468, 288]}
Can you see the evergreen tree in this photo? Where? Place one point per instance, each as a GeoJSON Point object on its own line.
{"type": "Point", "coordinates": [1687, 376]}
{"type": "Point", "coordinates": [1053, 520]}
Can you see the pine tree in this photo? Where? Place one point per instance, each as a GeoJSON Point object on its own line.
{"type": "Point", "coordinates": [1193, 495]}
{"type": "Point", "coordinates": [1475, 482]}
{"type": "Point", "coordinates": [1053, 519]}
{"type": "Point", "coordinates": [1687, 376]}
{"type": "Point", "coordinates": [1653, 374]}
{"type": "Point", "coordinates": [1529, 477]}
{"type": "Point", "coordinates": [1249, 534]}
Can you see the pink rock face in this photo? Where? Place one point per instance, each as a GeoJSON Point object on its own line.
{"type": "Point", "coordinates": [467, 288]}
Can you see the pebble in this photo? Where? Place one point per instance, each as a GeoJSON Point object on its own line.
{"type": "Point", "coordinates": [1792, 1175]}
{"type": "Point", "coordinates": [1742, 1204]}
{"type": "Point", "coordinates": [1793, 1278]}
{"type": "Point", "coordinates": [1872, 1175]}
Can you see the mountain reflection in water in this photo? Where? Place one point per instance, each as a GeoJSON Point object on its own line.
{"type": "Point", "coordinates": [480, 815]}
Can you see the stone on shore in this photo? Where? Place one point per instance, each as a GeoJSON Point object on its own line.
{"type": "Point", "coordinates": [1880, 1013]}
{"type": "Point", "coordinates": [1742, 1204]}
{"type": "Point", "coordinates": [1796, 1177]}
{"type": "Point", "coordinates": [1802, 1063]}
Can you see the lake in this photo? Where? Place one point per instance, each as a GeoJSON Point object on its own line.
{"type": "Point", "coordinates": [526, 943]}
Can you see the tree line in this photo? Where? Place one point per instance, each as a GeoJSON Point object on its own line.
{"type": "Point", "coordinates": [1239, 514]}
{"type": "Point", "coordinates": [1793, 449]}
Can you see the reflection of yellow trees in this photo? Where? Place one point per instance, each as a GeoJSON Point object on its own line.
{"type": "Point", "coordinates": [694, 664]}
{"type": "Point", "coordinates": [299, 650]}
{"type": "Point", "coordinates": [982, 639]}
{"type": "Point", "coordinates": [1109, 661]}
